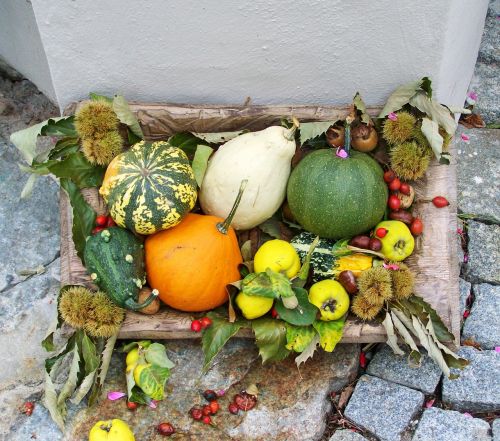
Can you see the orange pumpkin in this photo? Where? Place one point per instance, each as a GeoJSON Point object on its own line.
{"type": "Point", "coordinates": [191, 263]}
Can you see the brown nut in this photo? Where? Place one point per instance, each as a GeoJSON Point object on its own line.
{"type": "Point", "coordinates": [335, 136]}
{"type": "Point", "coordinates": [360, 242]}
{"type": "Point", "coordinates": [375, 244]}
{"type": "Point", "coordinates": [348, 281]}
{"type": "Point", "coordinates": [407, 199]}
{"type": "Point", "coordinates": [401, 215]}
{"type": "Point", "coordinates": [153, 307]}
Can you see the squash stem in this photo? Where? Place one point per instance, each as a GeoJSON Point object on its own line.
{"type": "Point", "coordinates": [347, 135]}
{"type": "Point", "coordinates": [223, 227]}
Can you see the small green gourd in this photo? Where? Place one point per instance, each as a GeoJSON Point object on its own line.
{"type": "Point", "coordinates": [114, 258]}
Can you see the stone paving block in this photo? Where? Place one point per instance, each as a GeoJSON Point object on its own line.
{"type": "Point", "coordinates": [478, 172]}
{"type": "Point", "coordinates": [395, 368]}
{"type": "Point", "coordinates": [495, 428]}
{"type": "Point", "coordinates": [484, 253]}
{"type": "Point", "coordinates": [478, 387]}
{"type": "Point", "coordinates": [465, 288]}
{"type": "Point", "coordinates": [347, 435]}
{"type": "Point", "coordinates": [289, 407]}
{"type": "Point", "coordinates": [483, 323]}
{"type": "Point", "coordinates": [449, 425]}
{"type": "Point", "coordinates": [383, 408]}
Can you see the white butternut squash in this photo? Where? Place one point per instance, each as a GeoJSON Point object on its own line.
{"type": "Point", "coordinates": [264, 159]}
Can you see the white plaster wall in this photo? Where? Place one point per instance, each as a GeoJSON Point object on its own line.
{"type": "Point", "coordinates": [21, 46]}
{"type": "Point", "coordinates": [276, 51]}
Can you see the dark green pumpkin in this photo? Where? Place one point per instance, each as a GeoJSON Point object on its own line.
{"type": "Point", "coordinates": [334, 197]}
{"type": "Point", "coordinates": [150, 187]}
{"type": "Point", "coordinates": [114, 258]}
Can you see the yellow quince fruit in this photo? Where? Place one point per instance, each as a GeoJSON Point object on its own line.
{"type": "Point", "coordinates": [278, 255]}
{"type": "Point", "coordinates": [253, 306]}
{"type": "Point", "coordinates": [111, 430]}
{"type": "Point", "coordinates": [132, 357]}
{"type": "Point", "coordinates": [331, 298]}
{"type": "Point", "coordinates": [398, 243]}
{"type": "Point", "coordinates": [137, 372]}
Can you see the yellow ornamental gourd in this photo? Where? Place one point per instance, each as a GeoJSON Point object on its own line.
{"type": "Point", "coordinates": [264, 159]}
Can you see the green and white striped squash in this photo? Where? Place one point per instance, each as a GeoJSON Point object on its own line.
{"type": "Point", "coordinates": [150, 187]}
{"type": "Point", "coordinates": [323, 263]}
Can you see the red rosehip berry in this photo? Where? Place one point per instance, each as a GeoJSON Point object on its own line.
{"type": "Point", "coordinates": [131, 405]}
{"type": "Point", "coordinates": [207, 420]}
{"type": "Point", "coordinates": [214, 407]}
{"type": "Point", "coordinates": [233, 408]}
{"type": "Point", "coordinates": [395, 184]}
{"type": "Point", "coordinates": [393, 202]}
{"type": "Point", "coordinates": [206, 410]}
{"type": "Point", "coordinates": [101, 220]}
{"type": "Point", "coordinates": [362, 360]}
{"type": "Point", "coordinates": [97, 230]}
{"type": "Point", "coordinates": [196, 413]}
{"type": "Point", "coordinates": [245, 401]}
{"type": "Point", "coordinates": [274, 313]}
{"type": "Point", "coordinates": [165, 429]}
{"type": "Point", "coordinates": [381, 232]}
{"type": "Point", "coordinates": [205, 322]}
{"type": "Point", "coordinates": [416, 227]}
{"type": "Point", "coordinates": [440, 202]}
{"type": "Point", "coordinates": [110, 222]}
{"type": "Point", "coordinates": [389, 176]}
{"type": "Point", "coordinates": [196, 326]}
{"type": "Point", "coordinates": [405, 188]}
{"type": "Point", "coordinates": [27, 408]}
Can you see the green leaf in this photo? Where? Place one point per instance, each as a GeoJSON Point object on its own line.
{"type": "Point", "coordinates": [157, 354]}
{"type": "Point", "coordinates": [299, 337]}
{"type": "Point", "coordinates": [84, 387]}
{"type": "Point", "coordinates": [152, 381]}
{"type": "Point", "coordinates": [312, 130]}
{"type": "Point", "coordinates": [83, 216]}
{"type": "Point", "coordinates": [50, 402]}
{"type": "Point", "coordinates": [280, 283]}
{"type": "Point", "coordinates": [64, 126]}
{"type": "Point", "coordinates": [400, 97]}
{"type": "Point", "coordinates": [444, 158]}
{"type": "Point", "coordinates": [258, 284]}
{"type": "Point", "coordinates": [330, 333]}
{"type": "Point", "coordinates": [340, 249]}
{"type": "Point", "coordinates": [187, 142]}
{"type": "Point", "coordinates": [28, 187]}
{"type": "Point", "coordinates": [430, 129]}
{"type": "Point", "coordinates": [134, 344]}
{"type": "Point", "coordinates": [270, 337]}
{"type": "Point", "coordinates": [392, 339]}
{"type": "Point", "coordinates": [200, 162]}
{"type": "Point", "coordinates": [132, 137]}
{"type": "Point", "coordinates": [426, 310]}
{"type": "Point", "coordinates": [308, 352]}
{"type": "Point", "coordinates": [126, 116]}
{"type": "Point", "coordinates": [303, 315]}
{"type": "Point", "coordinates": [97, 97]}
{"type": "Point", "coordinates": [272, 227]}
{"type": "Point", "coordinates": [218, 138]}
{"type": "Point", "coordinates": [72, 380]}
{"type": "Point", "coordinates": [63, 147]}
{"type": "Point", "coordinates": [25, 140]}
{"type": "Point", "coordinates": [427, 86]}
{"type": "Point", "coordinates": [404, 333]}
{"type": "Point", "coordinates": [361, 107]}
{"type": "Point", "coordinates": [89, 353]}
{"type": "Point", "coordinates": [216, 336]}
{"type": "Point", "coordinates": [106, 355]}
{"type": "Point", "coordinates": [76, 167]}
{"type": "Point", "coordinates": [435, 111]}
{"type": "Point", "coordinates": [246, 251]}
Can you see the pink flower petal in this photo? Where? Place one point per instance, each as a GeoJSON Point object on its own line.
{"type": "Point", "coordinates": [466, 258]}
{"type": "Point", "coordinates": [391, 266]}
{"type": "Point", "coordinates": [460, 231]}
{"type": "Point", "coordinates": [465, 137]}
{"type": "Point", "coordinates": [115, 395]}
{"type": "Point", "coordinates": [472, 95]}
{"type": "Point", "coordinates": [468, 415]}
{"type": "Point", "coordinates": [497, 348]}
{"type": "Point", "coordinates": [221, 393]}
{"type": "Point", "coordinates": [430, 403]}
{"type": "Point", "coordinates": [392, 116]}
{"type": "Point", "coordinates": [341, 153]}
{"type": "Point", "coordinates": [152, 404]}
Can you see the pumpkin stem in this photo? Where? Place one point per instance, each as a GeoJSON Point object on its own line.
{"type": "Point", "coordinates": [347, 135]}
{"type": "Point", "coordinates": [223, 227]}
{"type": "Point", "coordinates": [134, 306]}
{"type": "Point", "coordinates": [291, 132]}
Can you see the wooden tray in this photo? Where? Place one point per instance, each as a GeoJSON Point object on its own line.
{"type": "Point", "coordinates": [435, 260]}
